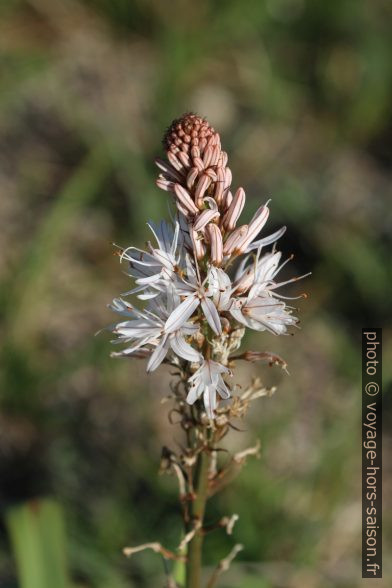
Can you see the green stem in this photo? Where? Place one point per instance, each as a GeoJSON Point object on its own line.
{"type": "Point", "coordinates": [194, 560]}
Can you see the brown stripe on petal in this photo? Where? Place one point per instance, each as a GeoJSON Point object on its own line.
{"type": "Point", "coordinates": [197, 162]}
{"type": "Point", "coordinates": [197, 243]}
{"type": "Point", "coordinates": [223, 159]}
{"type": "Point", "coordinates": [211, 141]}
{"type": "Point", "coordinates": [256, 224]}
{"type": "Point", "coordinates": [215, 155]}
{"type": "Point", "coordinates": [195, 151]}
{"type": "Point", "coordinates": [245, 282]}
{"type": "Point", "coordinates": [216, 140]}
{"type": "Point", "coordinates": [216, 243]}
{"type": "Point", "coordinates": [233, 213]}
{"type": "Point", "coordinates": [202, 144]}
{"type": "Point", "coordinates": [211, 174]}
{"type": "Point", "coordinates": [168, 169]}
{"type": "Point", "coordinates": [185, 199]}
{"type": "Point", "coordinates": [183, 210]}
{"type": "Point", "coordinates": [174, 161]}
{"type": "Point", "coordinates": [233, 240]}
{"type": "Point", "coordinates": [201, 187]}
{"type": "Point", "coordinates": [219, 187]}
{"type": "Point", "coordinates": [184, 159]}
{"type": "Point", "coordinates": [191, 177]}
{"type": "Point", "coordinates": [204, 218]}
{"type": "Point", "coordinates": [228, 198]}
{"type": "Point", "coordinates": [207, 155]}
{"type": "Point", "coordinates": [164, 184]}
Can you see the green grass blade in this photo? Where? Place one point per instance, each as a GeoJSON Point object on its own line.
{"type": "Point", "coordinates": [36, 530]}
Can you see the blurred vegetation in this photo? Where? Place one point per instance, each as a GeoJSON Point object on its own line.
{"type": "Point", "coordinates": [37, 534]}
{"type": "Point", "coordinates": [300, 91]}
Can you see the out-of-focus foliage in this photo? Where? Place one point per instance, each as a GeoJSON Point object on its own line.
{"type": "Point", "coordinates": [300, 91]}
{"type": "Point", "coordinates": [36, 530]}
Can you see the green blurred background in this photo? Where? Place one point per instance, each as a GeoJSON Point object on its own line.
{"type": "Point", "coordinates": [300, 91]}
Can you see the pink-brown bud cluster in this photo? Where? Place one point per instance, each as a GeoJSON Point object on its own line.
{"type": "Point", "coordinates": [199, 178]}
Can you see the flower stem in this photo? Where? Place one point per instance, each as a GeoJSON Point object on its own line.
{"type": "Point", "coordinates": [194, 560]}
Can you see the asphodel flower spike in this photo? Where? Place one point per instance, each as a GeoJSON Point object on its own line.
{"type": "Point", "coordinates": [202, 280]}
{"type": "Point", "coordinates": [200, 283]}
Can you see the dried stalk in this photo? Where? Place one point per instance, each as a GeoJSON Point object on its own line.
{"type": "Point", "coordinates": [224, 565]}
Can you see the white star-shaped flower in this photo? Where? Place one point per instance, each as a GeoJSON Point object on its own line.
{"type": "Point", "coordinates": [207, 381]}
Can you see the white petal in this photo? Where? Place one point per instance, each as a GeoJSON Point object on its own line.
{"type": "Point", "coordinates": [211, 315]}
{"type": "Point", "coordinates": [267, 266]}
{"type": "Point", "coordinates": [194, 393]}
{"type": "Point", "coordinates": [223, 390]}
{"type": "Point", "coordinates": [164, 258]}
{"type": "Point", "coordinates": [122, 307]}
{"type": "Point", "coordinates": [181, 314]}
{"type": "Point", "coordinates": [158, 355]}
{"type": "Point", "coordinates": [189, 329]}
{"type": "Point", "coordinates": [183, 288]}
{"type": "Point", "coordinates": [142, 350]}
{"type": "Point", "coordinates": [264, 305]}
{"type": "Point", "coordinates": [219, 286]}
{"type": "Point", "coordinates": [156, 230]}
{"type": "Point", "coordinates": [241, 267]}
{"type": "Point", "coordinates": [276, 328]}
{"type": "Point", "coordinates": [144, 259]}
{"type": "Point", "coordinates": [134, 290]}
{"type": "Point", "coordinates": [266, 240]}
{"type": "Point", "coordinates": [175, 239]}
{"type": "Point", "coordinates": [220, 368]}
{"type": "Point", "coordinates": [148, 295]}
{"type": "Point", "coordinates": [183, 349]}
{"type": "Point", "coordinates": [136, 347]}
{"type": "Point", "coordinates": [256, 224]}
{"type": "Point", "coordinates": [236, 313]}
{"type": "Point", "coordinates": [191, 273]}
{"type": "Point", "coordinates": [209, 398]}
{"type": "Point", "coordinates": [197, 376]}
{"type": "Point", "coordinates": [150, 279]}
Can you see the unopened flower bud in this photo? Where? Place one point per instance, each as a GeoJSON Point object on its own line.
{"type": "Point", "coordinates": [191, 177]}
{"type": "Point", "coordinates": [228, 199]}
{"type": "Point", "coordinates": [201, 187]}
{"type": "Point", "coordinates": [256, 224]}
{"type": "Point", "coordinates": [197, 244]}
{"type": "Point", "coordinates": [165, 184]}
{"type": "Point", "coordinates": [188, 130]}
{"type": "Point", "coordinates": [216, 243]}
{"type": "Point", "coordinates": [174, 161]}
{"type": "Point", "coordinates": [220, 187]}
{"type": "Point", "coordinates": [185, 199]}
{"type": "Point", "coordinates": [170, 172]}
{"type": "Point", "coordinates": [236, 237]}
{"type": "Point", "coordinates": [233, 213]}
{"type": "Point", "coordinates": [228, 177]}
{"type": "Point", "coordinates": [204, 218]}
